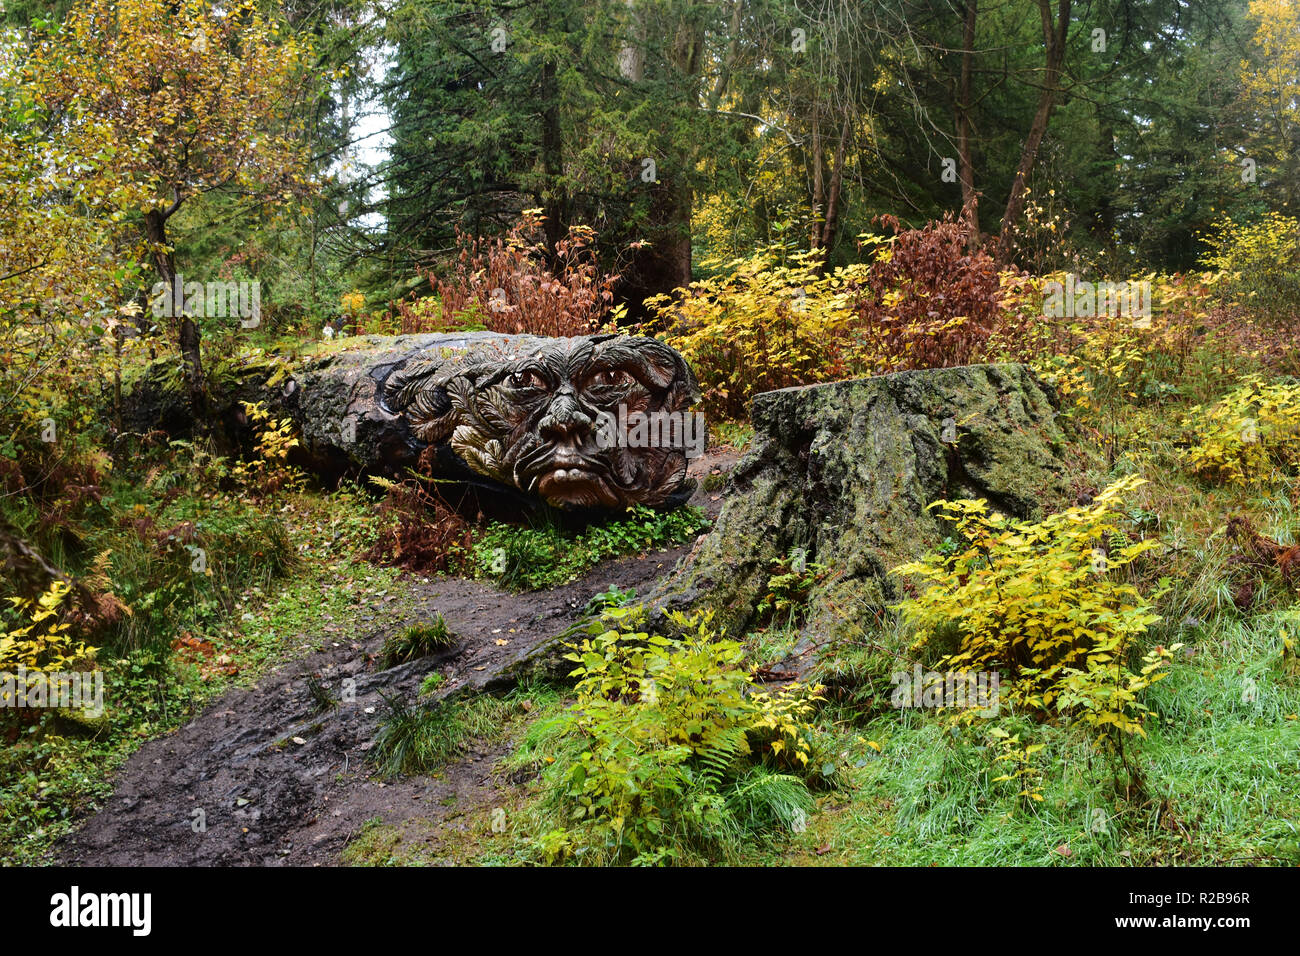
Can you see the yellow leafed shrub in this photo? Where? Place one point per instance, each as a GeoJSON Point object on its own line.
{"type": "Point", "coordinates": [270, 471]}
{"type": "Point", "coordinates": [1042, 604]}
{"type": "Point", "coordinates": [766, 324]}
{"type": "Point", "coordinates": [1258, 264]}
{"type": "Point", "coordinates": [1253, 431]}
{"type": "Point", "coordinates": [44, 642]}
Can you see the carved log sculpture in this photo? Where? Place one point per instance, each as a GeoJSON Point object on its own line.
{"type": "Point", "coordinates": [595, 421]}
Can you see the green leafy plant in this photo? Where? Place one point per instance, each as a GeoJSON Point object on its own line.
{"type": "Point", "coordinates": [790, 579]}
{"type": "Point", "coordinates": [1044, 603]}
{"type": "Point", "coordinates": [678, 750]}
{"type": "Point", "coordinates": [612, 596]}
{"type": "Point", "coordinates": [547, 555]}
{"type": "Point", "coordinates": [431, 683]}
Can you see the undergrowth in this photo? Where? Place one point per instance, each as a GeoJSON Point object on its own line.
{"type": "Point", "coordinates": [423, 738]}
{"type": "Point", "coordinates": [546, 555]}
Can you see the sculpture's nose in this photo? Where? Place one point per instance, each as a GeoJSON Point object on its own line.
{"type": "Point", "coordinates": [564, 422]}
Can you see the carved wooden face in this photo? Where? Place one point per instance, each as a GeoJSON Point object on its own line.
{"type": "Point", "coordinates": [557, 401]}
{"type": "Point", "coordinates": [536, 422]}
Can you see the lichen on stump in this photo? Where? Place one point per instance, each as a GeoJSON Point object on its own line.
{"type": "Point", "coordinates": [846, 471]}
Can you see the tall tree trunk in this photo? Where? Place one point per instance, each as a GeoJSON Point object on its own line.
{"type": "Point", "coordinates": [554, 199]}
{"type": "Point", "coordinates": [1054, 37]}
{"type": "Point", "coordinates": [965, 160]}
{"type": "Point", "coordinates": [188, 338]}
{"type": "Point", "coordinates": [729, 58]}
{"type": "Point", "coordinates": [1105, 222]}
{"type": "Point", "coordinates": [631, 57]}
{"type": "Point", "coordinates": [830, 226]}
{"type": "Point", "coordinates": [819, 176]}
{"type": "Point", "coordinates": [664, 263]}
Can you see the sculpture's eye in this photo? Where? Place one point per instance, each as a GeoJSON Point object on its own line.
{"type": "Point", "coordinates": [610, 378]}
{"type": "Point", "coordinates": [526, 379]}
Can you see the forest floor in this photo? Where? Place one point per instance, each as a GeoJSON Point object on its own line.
{"type": "Point", "coordinates": [260, 766]}
{"type": "Point", "coordinates": [270, 775]}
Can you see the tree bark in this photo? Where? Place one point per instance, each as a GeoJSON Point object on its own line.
{"type": "Point", "coordinates": [819, 176]}
{"type": "Point", "coordinates": [830, 225]}
{"type": "Point", "coordinates": [188, 337]}
{"type": "Point", "coordinates": [965, 160]}
{"type": "Point", "coordinates": [1054, 37]}
{"type": "Point", "coordinates": [664, 263]}
{"type": "Point", "coordinates": [554, 200]}
{"type": "Point", "coordinates": [729, 59]}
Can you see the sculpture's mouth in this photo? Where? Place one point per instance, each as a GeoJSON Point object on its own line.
{"type": "Point", "coordinates": [574, 473]}
{"type": "Point", "coordinates": [577, 486]}
{"type": "Point", "coordinates": [563, 473]}
{"type": "Point", "coordinates": [559, 479]}
{"type": "Point", "coordinates": [551, 460]}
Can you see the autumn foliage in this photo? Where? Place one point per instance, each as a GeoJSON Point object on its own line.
{"type": "Point", "coordinates": [770, 322]}
{"type": "Point", "coordinates": [422, 532]}
{"type": "Point", "coordinates": [926, 301]}
{"type": "Point", "coordinates": [780, 319]}
{"type": "Point", "coordinates": [508, 284]}
{"type": "Point", "coordinates": [175, 99]}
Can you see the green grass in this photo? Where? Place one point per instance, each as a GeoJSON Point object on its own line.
{"type": "Point", "coordinates": [1217, 775]}
{"type": "Point", "coordinates": [385, 844]}
{"type": "Point", "coordinates": [771, 645]}
{"type": "Point", "coordinates": [423, 739]}
{"type": "Point", "coordinates": [415, 641]}
{"type": "Point", "coordinates": [735, 434]}
{"type": "Point", "coordinates": [323, 605]}
{"type": "Point", "coordinates": [431, 683]}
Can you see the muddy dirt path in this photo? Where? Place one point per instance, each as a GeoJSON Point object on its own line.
{"type": "Point", "coordinates": [263, 777]}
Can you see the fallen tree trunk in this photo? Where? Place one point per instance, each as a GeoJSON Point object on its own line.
{"type": "Point", "coordinates": [595, 421]}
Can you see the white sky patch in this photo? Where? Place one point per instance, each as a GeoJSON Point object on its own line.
{"type": "Point", "coordinates": [371, 140]}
